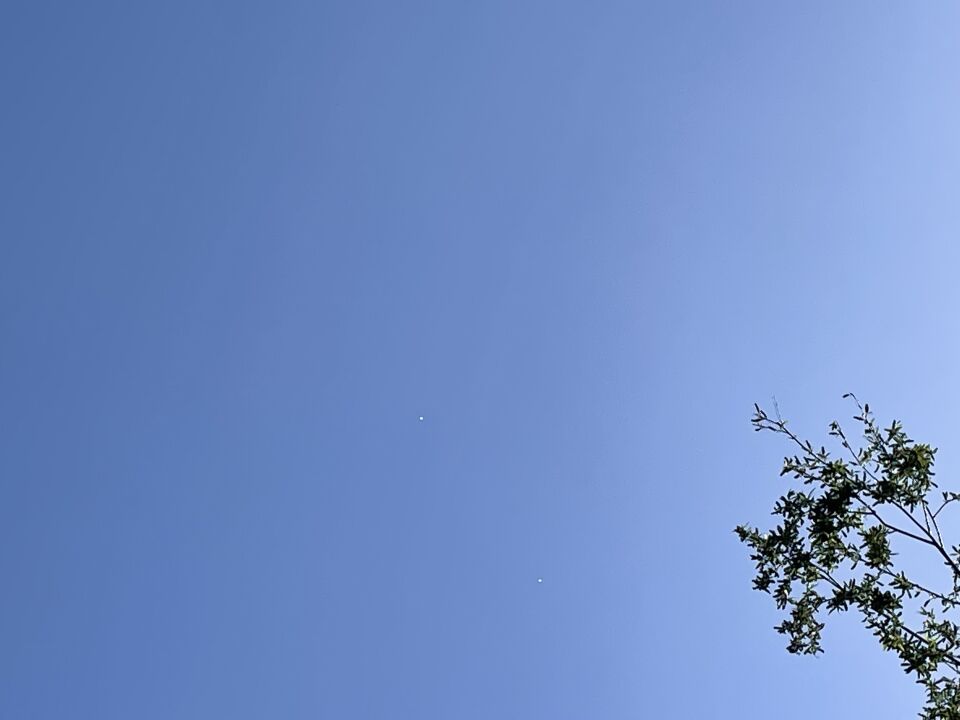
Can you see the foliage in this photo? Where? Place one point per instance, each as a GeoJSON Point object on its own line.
{"type": "Point", "coordinates": [831, 551]}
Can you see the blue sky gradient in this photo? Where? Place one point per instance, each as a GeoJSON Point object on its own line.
{"type": "Point", "coordinates": [245, 246]}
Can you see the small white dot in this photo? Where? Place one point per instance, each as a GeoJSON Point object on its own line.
{"type": "Point", "coordinates": [421, 418]}
{"type": "Point", "coordinates": [539, 580]}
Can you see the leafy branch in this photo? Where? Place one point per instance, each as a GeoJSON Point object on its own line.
{"type": "Point", "coordinates": [832, 550]}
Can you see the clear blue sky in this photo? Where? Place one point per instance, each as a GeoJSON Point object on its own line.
{"type": "Point", "coordinates": [245, 246]}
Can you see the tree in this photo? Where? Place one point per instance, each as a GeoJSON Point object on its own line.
{"type": "Point", "coordinates": [831, 551]}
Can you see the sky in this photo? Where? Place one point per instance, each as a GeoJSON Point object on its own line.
{"type": "Point", "coordinates": [246, 247]}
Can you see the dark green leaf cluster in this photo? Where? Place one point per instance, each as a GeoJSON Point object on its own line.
{"type": "Point", "coordinates": [831, 550]}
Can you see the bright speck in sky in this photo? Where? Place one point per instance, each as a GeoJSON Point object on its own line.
{"type": "Point", "coordinates": [539, 580]}
{"type": "Point", "coordinates": [421, 418]}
